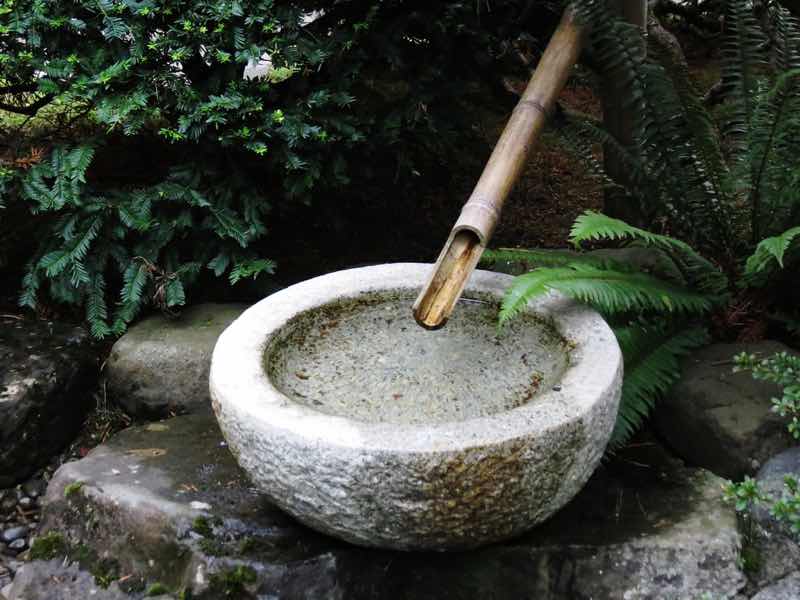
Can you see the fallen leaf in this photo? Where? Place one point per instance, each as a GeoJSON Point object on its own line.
{"type": "Point", "coordinates": [147, 452]}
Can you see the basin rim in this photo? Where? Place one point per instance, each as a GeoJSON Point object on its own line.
{"type": "Point", "coordinates": [241, 389]}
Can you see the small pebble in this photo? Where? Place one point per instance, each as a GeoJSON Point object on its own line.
{"type": "Point", "coordinates": [8, 504]}
{"type": "Point", "coordinates": [18, 546]}
{"type": "Point", "coordinates": [34, 488]}
{"type": "Point", "coordinates": [26, 503]}
{"type": "Point", "coordinates": [14, 533]}
{"type": "Point", "coordinates": [556, 388]}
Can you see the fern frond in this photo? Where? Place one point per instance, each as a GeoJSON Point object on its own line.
{"type": "Point", "coordinates": [79, 160]}
{"type": "Point", "coordinates": [709, 156]}
{"type": "Point", "coordinates": [134, 280]}
{"type": "Point", "coordinates": [611, 292]}
{"type": "Point", "coordinates": [82, 244]}
{"type": "Point", "coordinates": [743, 58]}
{"type": "Point", "coordinates": [672, 152]}
{"type": "Point", "coordinates": [772, 248]}
{"type": "Point", "coordinates": [697, 271]}
{"type": "Point", "coordinates": [652, 364]}
{"type": "Point", "coordinates": [54, 262]}
{"type": "Point", "coordinates": [773, 144]}
{"type": "Point", "coordinates": [114, 28]}
{"type": "Point", "coordinates": [250, 268]}
{"type": "Point", "coordinates": [595, 226]}
{"type": "Point", "coordinates": [96, 309]}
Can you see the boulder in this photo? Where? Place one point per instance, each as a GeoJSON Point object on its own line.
{"type": "Point", "coordinates": [160, 366]}
{"type": "Point", "coordinates": [170, 504]}
{"type": "Point", "coordinates": [47, 372]}
{"type": "Point", "coordinates": [773, 548]}
{"type": "Point", "coordinates": [787, 588]}
{"type": "Point", "coordinates": [720, 420]}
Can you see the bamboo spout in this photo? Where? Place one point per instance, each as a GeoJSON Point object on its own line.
{"type": "Point", "coordinates": [474, 227]}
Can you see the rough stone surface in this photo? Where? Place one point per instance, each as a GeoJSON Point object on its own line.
{"type": "Point", "coordinates": [465, 370]}
{"type": "Point", "coordinates": [47, 371]}
{"type": "Point", "coordinates": [160, 366]}
{"type": "Point", "coordinates": [720, 420]}
{"type": "Point", "coordinates": [643, 527]}
{"type": "Point", "coordinates": [787, 588]}
{"type": "Point", "coordinates": [448, 485]}
{"type": "Point", "coordinates": [774, 549]}
{"type": "Point", "coordinates": [52, 580]}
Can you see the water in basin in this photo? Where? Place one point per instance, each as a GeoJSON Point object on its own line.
{"type": "Point", "coordinates": [366, 359]}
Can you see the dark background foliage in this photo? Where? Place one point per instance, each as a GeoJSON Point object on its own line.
{"type": "Point", "coordinates": [151, 164]}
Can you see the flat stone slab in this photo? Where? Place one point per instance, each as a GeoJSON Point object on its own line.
{"type": "Point", "coordinates": [170, 504]}
{"type": "Point", "coordinates": [720, 420]}
{"type": "Point", "coordinates": [160, 366]}
{"type": "Point", "coordinates": [47, 372]}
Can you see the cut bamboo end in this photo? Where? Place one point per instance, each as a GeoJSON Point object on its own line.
{"type": "Point", "coordinates": [475, 225]}
{"type": "Point", "coordinates": [456, 262]}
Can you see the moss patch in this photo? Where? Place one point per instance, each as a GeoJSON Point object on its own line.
{"type": "Point", "coordinates": [49, 546]}
{"type": "Point", "coordinates": [73, 488]}
{"type": "Point", "coordinates": [202, 526]}
{"type": "Point", "coordinates": [232, 583]}
{"type": "Point", "coordinates": [213, 547]}
{"type": "Point", "coordinates": [156, 589]}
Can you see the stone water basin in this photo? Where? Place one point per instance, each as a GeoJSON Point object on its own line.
{"type": "Point", "coordinates": [365, 426]}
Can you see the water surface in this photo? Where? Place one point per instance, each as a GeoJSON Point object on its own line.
{"type": "Point", "coordinates": [368, 360]}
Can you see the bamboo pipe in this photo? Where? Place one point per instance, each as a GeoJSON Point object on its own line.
{"type": "Point", "coordinates": [474, 227]}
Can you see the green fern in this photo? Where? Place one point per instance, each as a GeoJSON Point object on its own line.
{"type": "Point", "coordinates": [697, 271]}
{"type": "Point", "coordinates": [136, 236]}
{"type": "Point", "coordinates": [674, 154]}
{"type": "Point", "coordinates": [770, 249]}
{"type": "Point", "coordinates": [633, 301]}
{"type": "Point", "coordinates": [595, 226]}
{"type": "Point", "coordinates": [652, 364]}
{"type": "Point", "coordinates": [610, 292]}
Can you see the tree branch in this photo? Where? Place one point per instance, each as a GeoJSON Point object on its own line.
{"type": "Point", "coordinates": [29, 109]}
{"type": "Point", "coordinates": [18, 88]}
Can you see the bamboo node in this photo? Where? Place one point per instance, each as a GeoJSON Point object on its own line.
{"type": "Point", "coordinates": [536, 105]}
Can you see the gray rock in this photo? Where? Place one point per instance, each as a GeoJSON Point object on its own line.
{"type": "Point", "coordinates": [787, 588]}
{"type": "Point", "coordinates": [772, 546]}
{"type": "Point", "coordinates": [653, 531]}
{"type": "Point", "coordinates": [18, 545]}
{"type": "Point", "coordinates": [160, 366]}
{"type": "Point", "coordinates": [51, 580]}
{"type": "Point", "coordinates": [47, 372]}
{"type": "Point", "coordinates": [720, 420]}
{"type": "Point", "coordinates": [14, 533]}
